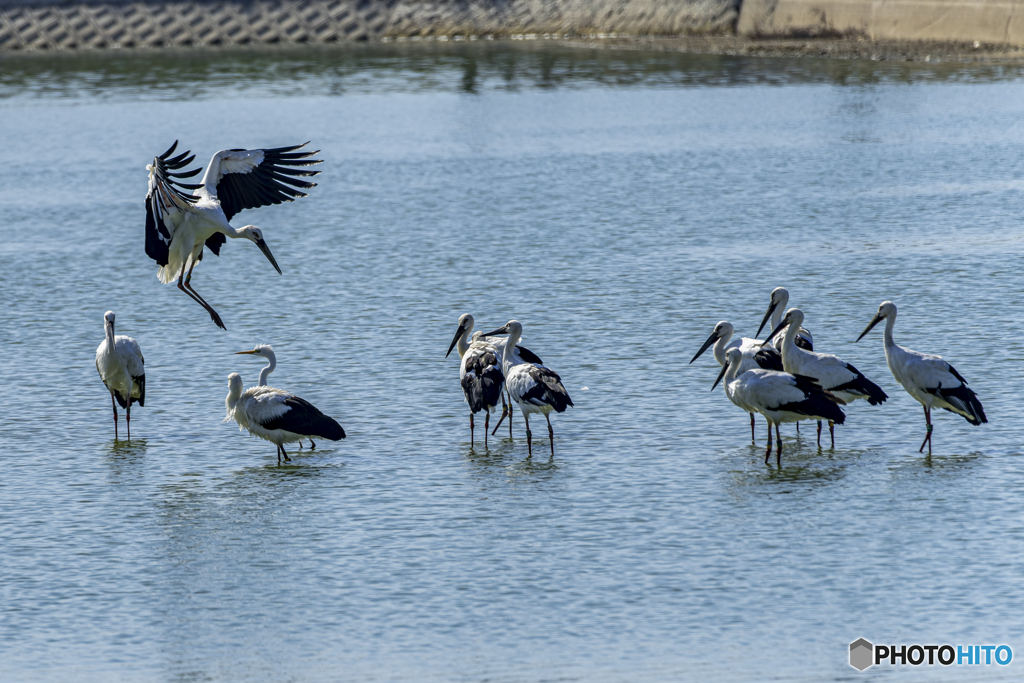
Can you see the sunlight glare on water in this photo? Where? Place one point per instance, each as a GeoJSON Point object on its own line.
{"type": "Point", "coordinates": [618, 204]}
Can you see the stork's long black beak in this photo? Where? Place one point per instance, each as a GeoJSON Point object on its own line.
{"type": "Point", "coordinates": [874, 321]}
{"type": "Point", "coordinates": [782, 325]}
{"type": "Point", "coordinates": [771, 309]}
{"type": "Point", "coordinates": [720, 375]}
{"type": "Point", "coordinates": [262, 244]}
{"type": "Point", "coordinates": [455, 339]}
{"type": "Point", "coordinates": [494, 333]}
{"type": "Point", "coordinates": [711, 340]}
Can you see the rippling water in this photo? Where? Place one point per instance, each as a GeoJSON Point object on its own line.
{"type": "Point", "coordinates": [618, 204]}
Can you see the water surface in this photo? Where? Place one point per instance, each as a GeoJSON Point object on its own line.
{"type": "Point", "coordinates": [619, 204]}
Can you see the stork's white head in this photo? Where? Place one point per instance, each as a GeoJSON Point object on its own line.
{"type": "Point", "coordinates": [793, 318]}
{"type": "Point", "coordinates": [255, 235]}
{"type": "Point", "coordinates": [733, 358]}
{"type": "Point", "coordinates": [512, 328]}
{"type": "Point", "coordinates": [723, 330]}
{"type": "Point", "coordinates": [108, 318]}
{"type": "Point", "coordinates": [886, 311]}
{"type": "Point", "coordinates": [466, 323]}
{"type": "Point", "coordinates": [779, 299]}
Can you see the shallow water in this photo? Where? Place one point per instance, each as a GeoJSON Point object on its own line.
{"type": "Point", "coordinates": [618, 204]}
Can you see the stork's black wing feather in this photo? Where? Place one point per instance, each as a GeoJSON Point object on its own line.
{"type": "Point", "coordinates": [528, 355]}
{"type": "Point", "coordinates": [165, 185]}
{"type": "Point", "coordinates": [862, 386]}
{"type": "Point", "coordinates": [215, 242]}
{"type": "Point", "coordinates": [141, 381]}
{"type": "Point", "coordinates": [273, 181]}
{"type": "Point", "coordinates": [768, 358]}
{"type": "Point", "coordinates": [482, 381]}
{"type": "Point", "coordinates": [304, 418]}
{"type": "Point", "coordinates": [547, 389]}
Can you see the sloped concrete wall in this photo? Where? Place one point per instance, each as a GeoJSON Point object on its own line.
{"type": "Point", "coordinates": [986, 21]}
{"type": "Point", "coordinates": [38, 24]}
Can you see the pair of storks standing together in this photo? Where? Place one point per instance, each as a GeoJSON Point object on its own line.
{"type": "Point", "coordinates": [786, 381]}
{"type": "Point", "coordinates": [183, 218]}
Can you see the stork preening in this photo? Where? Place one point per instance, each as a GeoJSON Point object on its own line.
{"type": "Point", "coordinates": [833, 373]}
{"type": "Point", "coordinates": [123, 371]}
{"type": "Point", "coordinates": [779, 396]}
{"type": "Point", "coordinates": [276, 415]}
{"type": "Point", "coordinates": [179, 225]}
{"type": "Point", "coordinates": [534, 387]}
{"type": "Point", "coordinates": [932, 382]}
{"type": "Point", "coordinates": [753, 354]}
{"type": "Point", "coordinates": [776, 305]}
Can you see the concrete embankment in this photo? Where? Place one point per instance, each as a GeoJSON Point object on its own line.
{"type": "Point", "coordinates": [58, 24]}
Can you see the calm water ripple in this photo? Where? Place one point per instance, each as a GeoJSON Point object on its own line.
{"type": "Point", "coordinates": [618, 204]}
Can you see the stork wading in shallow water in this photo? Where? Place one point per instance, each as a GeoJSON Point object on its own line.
{"type": "Point", "coordinates": [932, 382]}
{"type": "Point", "coordinates": [776, 305]}
{"type": "Point", "coordinates": [276, 415]}
{"type": "Point", "coordinates": [833, 373]}
{"type": "Point", "coordinates": [753, 354]}
{"type": "Point", "coordinates": [464, 340]}
{"type": "Point", "coordinates": [779, 396]}
{"type": "Point", "coordinates": [179, 225]}
{"type": "Point", "coordinates": [123, 371]}
{"type": "Point", "coordinates": [536, 388]}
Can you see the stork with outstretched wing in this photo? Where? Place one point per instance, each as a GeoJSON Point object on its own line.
{"type": "Point", "coordinates": [179, 224]}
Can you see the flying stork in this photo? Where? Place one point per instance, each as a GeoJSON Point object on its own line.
{"type": "Point", "coordinates": [536, 388]}
{"type": "Point", "coordinates": [930, 380]}
{"type": "Point", "coordinates": [833, 373]}
{"type": "Point", "coordinates": [779, 396]}
{"type": "Point", "coordinates": [776, 305]}
{"type": "Point", "coordinates": [753, 354]}
{"type": "Point", "coordinates": [276, 415]}
{"type": "Point", "coordinates": [178, 224]}
{"type": "Point", "coordinates": [123, 371]}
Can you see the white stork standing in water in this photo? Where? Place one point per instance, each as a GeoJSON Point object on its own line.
{"type": "Point", "coordinates": [779, 396]}
{"type": "Point", "coordinates": [123, 371]}
{"type": "Point", "coordinates": [536, 388]}
{"type": "Point", "coordinates": [930, 380]}
{"type": "Point", "coordinates": [276, 415]}
{"type": "Point", "coordinates": [753, 354]}
{"type": "Point", "coordinates": [776, 305]}
{"type": "Point", "coordinates": [179, 225]}
{"type": "Point", "coordinates": [463, 341]}
{"type": "Point", "coordinates": [833, 373]}
{"type": "Point", "coordinates": [479, 374]}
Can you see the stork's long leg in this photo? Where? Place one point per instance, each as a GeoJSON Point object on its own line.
{"type": "Point", "coordinates": [115, 407]}
{"type": "Point", "coordinates": [529, 436]}
{"type": "Point", "coordinates": [471, 425]}
{"type": "Point", "coordinates": [128, 417]}
{"type": "Point", "coordinates": [752, 440]}
{"type": "Point", "coordinates": [312, 445]}
{"type": "Point", "coordinates": [551, 434]}
{"type": "Point", "coordinates": [504, 412]}
{"type": "Point", "coordinates": [510, 415]}
{"type": "Point", "coordinates": [819, 433]}
{"type": "Point", "coordinates": [184, 284]}
{"type": "Point", "coordinates": [778, 445]}
{"type": "Point", "coordinates": [832, 432]}
{"type": "Point", "coordinates": [284, 453]}
{"type": "Point", "coordinates": [768, 452]}
{"type": "Point", "coordinates": [487, 425]}
{"type": "Point", "coordinates": [928, 436]}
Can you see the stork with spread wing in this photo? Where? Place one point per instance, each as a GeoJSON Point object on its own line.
{"type": "Point", "coordinates": [179, 224]}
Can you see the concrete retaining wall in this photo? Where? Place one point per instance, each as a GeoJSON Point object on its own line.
{"type": "Point", "coordinates": [56, 24]}
{"type": "Point", "coordinates": [986, 21]}
{"type": "Point", "coordinates": [33, 24]}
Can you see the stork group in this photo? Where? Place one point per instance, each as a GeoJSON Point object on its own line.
{"type": "Point", "coordinates": [783, 378]}
{"type": "Point", "coordinates": [813, 385]}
